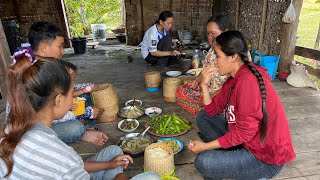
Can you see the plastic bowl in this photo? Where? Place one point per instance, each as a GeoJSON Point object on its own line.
{"type": "Point", "coordinates": [128, 130]}
{"type": "Point", "coordinates": [151, 111]}
{"type": "Point", "coordinates": [137, 102]}
{"type": "Point", "coordinates": [180, 143]}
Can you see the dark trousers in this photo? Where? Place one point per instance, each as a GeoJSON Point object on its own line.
{"type": "Point", "coordinates": [163, 45]}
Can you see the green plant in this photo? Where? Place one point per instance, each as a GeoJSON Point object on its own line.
{"type": "Point", "coordinates": [96, 12]}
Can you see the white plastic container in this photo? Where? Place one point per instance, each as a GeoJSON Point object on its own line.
{"type": "Point", "coordinates": [99, 32]}
{"type": "Point", "coordinates": [195, 59]}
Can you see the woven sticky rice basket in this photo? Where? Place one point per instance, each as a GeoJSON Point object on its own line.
{"type": "Point", "coordinates": [169, 88]}
{"type": "Point", "coordinates": [106, 97]}
{"type": "Point", "coordinates": [185, 79]}
{"type": "Point", "coordinates": [152, 79]}
{"type": "Point", "coordinates": [161, 165]}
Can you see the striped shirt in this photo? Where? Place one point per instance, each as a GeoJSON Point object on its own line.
{"type": "Point", "coordinates": [42, 155]}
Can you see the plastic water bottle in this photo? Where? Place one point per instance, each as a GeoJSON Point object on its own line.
{"type": "Point", "coordinates": [195, 59]}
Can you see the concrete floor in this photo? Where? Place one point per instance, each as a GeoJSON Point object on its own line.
{"type": "Point", "coordinates": [108, 64]}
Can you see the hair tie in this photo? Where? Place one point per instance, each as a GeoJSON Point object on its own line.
{"type": "Point", "coordinates": [24, 52]}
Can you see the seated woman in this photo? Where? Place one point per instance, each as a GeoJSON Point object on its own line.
{"type": "Point", "coordinates": [189, 95]}
{"type": "Point", "coordinates": [40, 91]}
{"type": "Point", "coordinates": [156, 47]}
{"type": "Point", "coordinates": [252, 139]}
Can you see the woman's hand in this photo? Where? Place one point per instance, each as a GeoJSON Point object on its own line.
{"type": "Point", "coordinates": [122, 160]}
{"type": "Point", "coordinates": [196, 146]}
{"type": "Point", "coordinates": [97, 112]}
{"type": "Point", "coordinates": [175, 53]}
{"type": "Point", "coordinates": [207, 72]}
{"type": "Point", "coordinates": [74, 106]}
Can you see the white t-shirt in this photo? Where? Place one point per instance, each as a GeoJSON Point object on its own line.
{"type": "Point", "coordinates": [151, 39]}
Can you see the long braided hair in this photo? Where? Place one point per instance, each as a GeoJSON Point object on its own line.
{"type": "Point", "coordinates": [233, 42]}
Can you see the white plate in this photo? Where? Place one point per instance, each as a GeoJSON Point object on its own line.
{"type": "Point", "coordinates": [194, 71]}
{"type": "Point", "coordinates": [173, 73]}
{"type": "Point", "coordinates": [128, 130]}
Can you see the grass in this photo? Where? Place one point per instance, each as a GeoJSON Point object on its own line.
{"type": "Point", "coordinates": [307, 31]}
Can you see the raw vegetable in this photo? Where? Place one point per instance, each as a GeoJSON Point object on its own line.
{"type": "Point", "coordinates": [167, 124]}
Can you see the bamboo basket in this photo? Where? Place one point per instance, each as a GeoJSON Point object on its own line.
{"type": "Point", "coordinates": [152, 79]}
{"type": "Point", "coordinates": [162, 166]}
{"type": "Point", "coordinates": [185, 79]}
{"type": "Point", "coordinates": [169, 88]}
{"type": "Point", "coordinates": [105, 97]}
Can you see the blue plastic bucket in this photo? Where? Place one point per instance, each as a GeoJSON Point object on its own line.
{"type": "Point", "coordinates": [271, 63]}
{"type": "Point", "coordinates": [152, 89]}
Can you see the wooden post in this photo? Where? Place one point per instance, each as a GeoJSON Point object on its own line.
{"type": "Point", "coordinates": [316, 44]}
{"type": "Point", "coordinates": [288, 39]}
{"type": "Point", "coordinates": [142, 20]}
{"type": "Point", "coordinates": [123, 12]}
{"type": "Point", "coordinates": [5, 60]}
{"type": "Point", "coordinates": [237, 14]}
{"type": "Point", "coordinates": [263, 24]}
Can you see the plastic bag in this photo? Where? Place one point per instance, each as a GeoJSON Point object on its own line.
{"type": "Point", "coordinates": [290, 14]}
{"type": "Point", "coordinates": [299, 77]}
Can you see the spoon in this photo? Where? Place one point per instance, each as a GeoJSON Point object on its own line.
{"type": "Point", "coordinates": [144, 132]}
{"type": "Point", "coordinates": [134, 100]}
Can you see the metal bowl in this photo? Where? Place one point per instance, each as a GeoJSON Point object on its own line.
{"type": "Point", "coordinates": [130, 135]}
{"type": "Point", "coordinates": [124, 112]}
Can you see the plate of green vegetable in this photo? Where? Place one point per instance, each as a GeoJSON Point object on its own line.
{"type": "Point", "coordinates": [167, 125]}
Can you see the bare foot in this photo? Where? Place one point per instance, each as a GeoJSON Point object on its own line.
{"type": "Point", "coordinates": [95, 137]}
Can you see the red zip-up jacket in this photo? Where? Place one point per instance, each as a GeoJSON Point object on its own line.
{"type": "Point", "coordinates": [245, 117]}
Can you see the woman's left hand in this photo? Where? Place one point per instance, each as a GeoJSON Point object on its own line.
{"type": "Point", "coordinates": [196, 146]}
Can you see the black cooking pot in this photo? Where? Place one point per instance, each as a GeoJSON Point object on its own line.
{"type": "Point", "coordinates": [130, 135]}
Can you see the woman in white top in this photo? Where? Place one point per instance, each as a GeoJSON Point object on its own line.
{"type": "Point", "coordinates": [39, 91]}
{"type": "Point", "coordinates": [156, 47]}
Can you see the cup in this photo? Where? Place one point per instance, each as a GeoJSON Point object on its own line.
{"type": "Point", "coordinates": [80, 102]}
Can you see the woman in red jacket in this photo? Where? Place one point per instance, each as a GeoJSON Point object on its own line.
{"type": "Point", "coordinates": [244, 127]}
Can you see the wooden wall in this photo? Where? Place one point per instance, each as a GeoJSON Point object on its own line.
{"type": "Point", "coordinates": [5, 61]}
{"type": "Point", "coordinates": [188, 15]}
{"type": "Point", "coordinates": [26, 12]}
{"type": "Point", "coordinates": [246, 15]}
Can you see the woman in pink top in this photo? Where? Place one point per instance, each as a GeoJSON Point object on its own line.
{"type": "Point", "coordinates": [244, 128]}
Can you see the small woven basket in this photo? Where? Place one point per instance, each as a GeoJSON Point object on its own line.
{"type": "Point", "coordinates": [162, 166]}
{"type": "Point", "coordinates": [169, 88]}
{"type": "Point", "coordinates": [152, 79]}
{"type": "Point", "coordinates": [105, 97]}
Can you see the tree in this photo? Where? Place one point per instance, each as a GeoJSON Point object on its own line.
{"type": "Point", "coordinates": [93, 12]}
